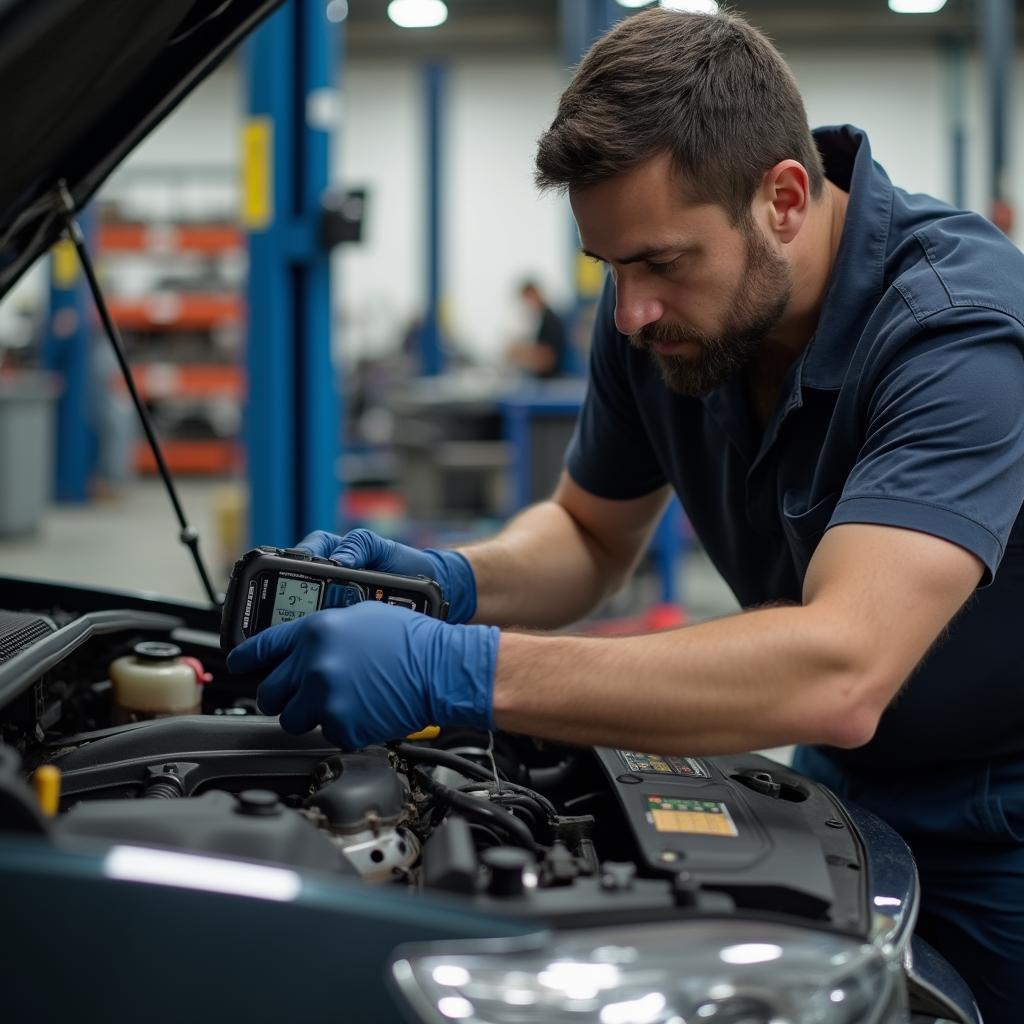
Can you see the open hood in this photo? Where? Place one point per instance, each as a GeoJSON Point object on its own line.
{"type": "Point", "coordinates": [83, 82]}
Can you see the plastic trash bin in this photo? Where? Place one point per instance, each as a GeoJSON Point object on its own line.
{"type": "Point", "coordinates": [27, 411]}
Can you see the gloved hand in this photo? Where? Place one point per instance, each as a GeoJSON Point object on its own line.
{"type": "Point", "coordinates": [362, 549]}
{"type": "Point", "coordinates": [372, 672]}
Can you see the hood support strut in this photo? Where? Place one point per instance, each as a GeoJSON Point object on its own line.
{"type": "Point", "coordinates": [188, 536]}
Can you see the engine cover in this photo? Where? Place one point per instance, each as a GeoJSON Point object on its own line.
{"type": "Point", "coordinates": [742, 825]}
{"type": "Point", "coordinates": [253, 825]}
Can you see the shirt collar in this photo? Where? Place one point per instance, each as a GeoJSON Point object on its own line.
{"type": "Point", "coordinates": [857, 279]}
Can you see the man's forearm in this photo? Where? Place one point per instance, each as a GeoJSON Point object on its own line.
{"type": "Point", "coordinates": [760, 679]}
{"type": "Point", "coordinates": [541, 572]}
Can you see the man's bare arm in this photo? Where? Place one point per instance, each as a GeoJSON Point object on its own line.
{"type": "Point", "coordinates": [875, 599]}
{"type": "Point", "coordinates": [558, 560]}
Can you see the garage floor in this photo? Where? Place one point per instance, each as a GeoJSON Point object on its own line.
{"type": "Point", "coordinates": [132, 543]}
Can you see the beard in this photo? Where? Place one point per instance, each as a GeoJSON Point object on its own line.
{"type": "Point", "coordinates": [754, 310]}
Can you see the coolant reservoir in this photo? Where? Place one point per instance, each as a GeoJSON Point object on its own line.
{"type": "Point", "coordinates": [155, 681]}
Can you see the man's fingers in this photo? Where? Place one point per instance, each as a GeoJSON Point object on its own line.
{"type": "Point", "coordinates": [265, 649]}
{"type": "Point", "coordinates": [299, 716]}
{"type": "Point", "coordinates": [358, 549]}
{"type": "Point", "coordinates": [277, 690]}
{"type": "Point", "coordinates": [319, 543]}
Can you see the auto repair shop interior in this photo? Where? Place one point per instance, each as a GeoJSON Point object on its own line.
{"type": "Point", "coordinates": [314, 232]}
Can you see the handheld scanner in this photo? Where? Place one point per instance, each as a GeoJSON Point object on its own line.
{"type": "Point", "coordinates": [274, 585]}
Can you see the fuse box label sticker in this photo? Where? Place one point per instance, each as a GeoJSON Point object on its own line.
{"type": "Point", "coordinates": [656, 764]}
{"type": "Point", "coordinates": [692, 817]}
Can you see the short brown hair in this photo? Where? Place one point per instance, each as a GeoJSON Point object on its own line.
{"type": "Point", "coordinates": [709, 89]}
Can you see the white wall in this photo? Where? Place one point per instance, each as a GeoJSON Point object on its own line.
{"type": "Point", "coordinates": [900, 97]}
{"type": "Point", "coordinates": [500, 229]}
{"type": "Point", "coordinates": [379, 283]}
{"type": "Point", "coordinates": [204, 133]}
{"type": "Point", "coordinates": [496, 228]}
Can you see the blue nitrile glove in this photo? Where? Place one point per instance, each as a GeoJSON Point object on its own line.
{"type": "Point", "coordinates": [362, 549]}
{"type": "Point", "coordinates": [372, 672]}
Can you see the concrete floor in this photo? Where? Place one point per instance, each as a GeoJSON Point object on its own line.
{"type": "Point", "coordinates": [131, 543]}
{"type": "Point", "coordinates": [127, 543]}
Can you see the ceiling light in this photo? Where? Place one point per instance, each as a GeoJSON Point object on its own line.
{"type": "Point", "coordinates": [634, 3]}
{"type": "Point", "coordinates": [418, 13]}
{"type": "Point", "coordinates": [916, 6]}
{"type": "Point", "coordinates": [337, 10]}
{"type": "Point", "coordinates": [692, 6]}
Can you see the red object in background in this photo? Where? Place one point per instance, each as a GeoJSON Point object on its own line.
{"type": "Point", "coordinates": [221, 458]}
{"type": "Point", "coordinates": [373, 503]}
{"type": "Point", "coordinates": [203, 238]}
{"type": "Point", "coordinates": [660, 616]}
{"type": "Point", "coordinates": [1002, 215]}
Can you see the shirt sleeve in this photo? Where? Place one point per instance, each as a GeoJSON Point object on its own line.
{"type": "Point", "coordinates": [943, 450]}
{"type": "Point", "coordinates": [610, 454]}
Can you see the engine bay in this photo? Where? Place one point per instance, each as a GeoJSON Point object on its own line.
{"type": "Point", "coordinates": [569, 836]}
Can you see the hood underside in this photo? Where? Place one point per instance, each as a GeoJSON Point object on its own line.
{"type": "Point", "coordinates": [83, 82]}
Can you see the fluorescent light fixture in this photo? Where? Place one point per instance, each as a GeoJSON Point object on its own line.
{"type": "Point", "coordinates": [692, 6]}
{"type": "Point", "coordinates": [916, 6]}
{"type": "Point", "coordinates": [210, 874]}
{"type": "Point", "coordinates": [418, 13]}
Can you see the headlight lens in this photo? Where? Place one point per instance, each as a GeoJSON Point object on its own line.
{"type": "Point", "coordinates": [699, 972]}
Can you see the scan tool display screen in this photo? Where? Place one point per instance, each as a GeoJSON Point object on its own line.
{"type": "Point", "coordinates": [294, 599]}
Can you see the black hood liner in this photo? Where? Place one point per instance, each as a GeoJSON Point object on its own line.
{"type": "Point", "coordinates": [82, 83]}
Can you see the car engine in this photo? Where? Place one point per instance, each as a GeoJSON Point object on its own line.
{"type": "Point", "coordinates": [564, 834]}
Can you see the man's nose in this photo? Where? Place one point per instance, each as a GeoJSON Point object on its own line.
{"type": "Point", "coordinates": [635, 309]}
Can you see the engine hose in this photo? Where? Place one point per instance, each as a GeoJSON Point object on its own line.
{"type": "Point", "coordinates": [482, 811]}
{"type": "Point", "coordinates": [506, 799]}
{"type": "Point", "coordinates": [416, 754]}
{"type": "Point", "coordinates": [166, 788]}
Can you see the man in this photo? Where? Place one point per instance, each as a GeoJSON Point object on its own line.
{"type": "Point", "coordinates": [544, 355]}
{"type": "Point", "coordinates": [830, 373]}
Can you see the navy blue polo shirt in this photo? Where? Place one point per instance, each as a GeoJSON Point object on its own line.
{"type": "Point", "coordinates": [905, 409]}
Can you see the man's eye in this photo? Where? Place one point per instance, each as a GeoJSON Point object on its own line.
{"type": "Point", "coordinates": [662, 268]}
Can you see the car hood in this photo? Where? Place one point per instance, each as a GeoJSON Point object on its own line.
{"type": "Point", "coordinates": [83, 82]}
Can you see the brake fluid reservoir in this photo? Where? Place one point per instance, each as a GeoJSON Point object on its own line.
{"type": "Point", "coordinates": [155, 681]}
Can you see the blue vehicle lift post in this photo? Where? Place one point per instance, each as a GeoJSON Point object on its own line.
{"type": "Point", "coordinates": [293, 417]}
{"type": "Point", "coordinates": [999, 34]}
{"type": "Point", "coordinates": [66, 353]}
{"type": "Point", "coordinates": [431, 335]}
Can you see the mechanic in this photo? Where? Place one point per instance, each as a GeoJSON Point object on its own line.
{"type": "Point", "coordinates": [544, 355]}
{"type": "Point", "coordinates": [829, 372]}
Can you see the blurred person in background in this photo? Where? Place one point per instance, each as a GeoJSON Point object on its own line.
{"type": "Point", "coordinates": [544, 355]}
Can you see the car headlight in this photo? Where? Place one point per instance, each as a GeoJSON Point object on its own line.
{"type": "Point", "coordinates": [710, 970]}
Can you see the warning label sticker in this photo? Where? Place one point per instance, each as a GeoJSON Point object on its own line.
{"type": "Point", "coordinates": [693, 817]}
{"type": "Point", "coordinates": [656, 764]}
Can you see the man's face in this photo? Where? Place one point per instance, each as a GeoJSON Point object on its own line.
{"type": "Point", "coordinates": [698, 294]}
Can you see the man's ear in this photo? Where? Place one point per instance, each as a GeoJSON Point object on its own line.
{"type": "Point", "coordinates": [786, 195]}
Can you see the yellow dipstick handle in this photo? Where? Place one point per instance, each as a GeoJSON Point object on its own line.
{"type": "Point", "coordinates": [430, 733]}
{"type": "Point", "coordinates": [46, 780]}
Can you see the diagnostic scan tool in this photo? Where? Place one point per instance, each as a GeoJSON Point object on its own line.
{"type": "Point", "coordinates": [269, 586]}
